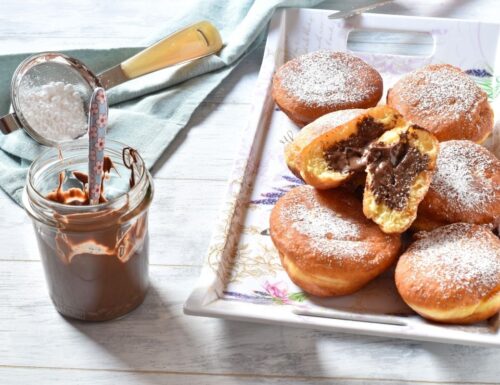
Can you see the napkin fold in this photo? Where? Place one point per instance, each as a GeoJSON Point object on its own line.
{"type": "Point", "coordinates": [148, 112]}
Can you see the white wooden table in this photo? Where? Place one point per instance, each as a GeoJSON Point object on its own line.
{"type": "Point", "coordinates": [157, 344]}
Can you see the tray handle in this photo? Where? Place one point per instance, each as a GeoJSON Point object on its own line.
{"type": "Point", "coordinates": [475, 38]}
{"type": "Point", "coordinates": [349, 316]}
{"type": "Point", "coordinates": [379, 23]}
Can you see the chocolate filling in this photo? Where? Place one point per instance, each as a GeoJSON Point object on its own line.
{"type": "Point", "coordinates": [79, 196]}
{"type": "Point", "coordinates": [394, 169]}
{"type": "Point", "coordinates": [347, 155]}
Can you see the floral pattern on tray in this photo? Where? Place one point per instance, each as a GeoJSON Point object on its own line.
{"type": "Point", "coordinates": [271, 197]}
{"type": "Point", "coordinates": [484, 79]}
{"type": "Point", "coordinates": [276, 293]}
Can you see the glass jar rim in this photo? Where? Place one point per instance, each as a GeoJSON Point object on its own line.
{"type": "Point", "coordinates": [112, 146]}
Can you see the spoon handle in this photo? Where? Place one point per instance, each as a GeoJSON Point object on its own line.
{"type": "Point", "coordinates": [98, 120]}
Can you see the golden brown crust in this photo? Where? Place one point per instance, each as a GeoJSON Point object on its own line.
{"type": "Point", "coordinates": [313, 163]}
{"type": "Point", "coordinates": [424, 223]}
{"type": "Point", "coordinates": [313, 130]}
{"type": "Point", "coordinates": [397, 212]}
{"type": "Point", "coordinates": [320, 82]}
{"type": "Point", "coordinates": [445, 101]}
{"type": "Point", "coordinates": [452, 274]}
{"type": "Point", "coordinates": [465, 187]}
{"type": "Point", "coordinates": [326, 244]}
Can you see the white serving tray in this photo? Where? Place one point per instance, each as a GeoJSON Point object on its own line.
{"type": "Point", "coordinates": [242, 277]}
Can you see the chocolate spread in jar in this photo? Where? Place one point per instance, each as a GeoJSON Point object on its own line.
{"type": "Point", "coordinates": [96, 262]}
{"type": "Point", "coordinates": [79, 196]}
{"type": "Point", "coordinates": [348, 155]}
{"type": "Point", "coordinates": [394, 169]}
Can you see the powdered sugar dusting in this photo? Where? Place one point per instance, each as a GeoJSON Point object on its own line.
{"type": "Point", "coordinates": [333, 119]}
{"type": "Point", "coordinates": [439, 91]}
{"type": "Point", "coordinates": [329, 233]}
{"type": "Point", "coordinates": [325, 78]}
{"type": "Point", "coordinates": [458, 258]}
{"type": "Point", "coordinates": [461, 176]}
{"type": "Point", "coordinates": [317, 221]}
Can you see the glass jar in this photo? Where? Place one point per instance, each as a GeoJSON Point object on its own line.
{"type": "Point", "coordinates": [95, 257]}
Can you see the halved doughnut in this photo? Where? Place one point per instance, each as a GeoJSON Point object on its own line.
{"type": "Point", "coordinates": [313, 130]}
{"type": "Point", "coordinates": [336, 155]}
{"type": "Point", "coordinates": [399, 169]}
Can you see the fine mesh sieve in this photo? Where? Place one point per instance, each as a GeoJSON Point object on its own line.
{"type": "Point", "coordinates": [42, 69]}
{"type": "Point", "coordinates": [193, 42]}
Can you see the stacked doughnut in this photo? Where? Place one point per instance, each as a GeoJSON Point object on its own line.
{"type": "Point", "coordinates": [465, 187]}
{"type": "Point", "coordinates": [314, 84]}
{"type": "Point", "coordinates": [331, 241]}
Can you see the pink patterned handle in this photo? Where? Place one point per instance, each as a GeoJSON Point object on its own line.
{"type": "Point", "coordinates": [98, 120]}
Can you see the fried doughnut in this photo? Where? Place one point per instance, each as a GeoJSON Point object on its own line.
{"type": "Point", "coordinates": [310, 132]}
{"type": "Point", "coordinates": [320, 82]}
{"type": "Point", "coordinates": [326, 244]}
{"type": "Point", "coordinates": [465, 187]}
{"type": "Point", "coordinates": [399, 171]}
{"type": "Point", "coordinates": [336, 155]}
{"type": "Point", "coordinates": [452, 274]}
{"type": "Point", "coordinates": [444, 100]}
{"type": "Point", "coordinates": [423, 223]}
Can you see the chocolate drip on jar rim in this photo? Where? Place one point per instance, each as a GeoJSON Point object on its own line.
{"type": "Point", "coordinates": [394, 169]}
{"type": "Point", "coordinates": [44, 175]}
{"type": "Point", "coordinates": [348, 155]}
{"type": "Point", "coordinates": [130, 157]}
{"type": "Point", "coordinates": [79, 196]}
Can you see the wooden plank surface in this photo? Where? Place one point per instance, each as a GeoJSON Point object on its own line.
{"type": "Point", "coordinates": [157, 344]}
{"type": "Point", "coordinates": [49, 376]}
{"type": "Point", "coordinates": [157, 337]}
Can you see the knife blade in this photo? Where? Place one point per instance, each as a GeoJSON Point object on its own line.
{"type": "Point", "coordinates": [359, 10]}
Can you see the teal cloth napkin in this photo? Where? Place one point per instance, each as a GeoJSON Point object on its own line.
{"type": "Point", "coordinates": [149, 111]}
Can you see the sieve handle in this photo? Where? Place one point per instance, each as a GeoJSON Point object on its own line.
{"type": "Point", "coordinates": [196, 41]}
{"type": "Point", "coordinates": [9, 123]}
